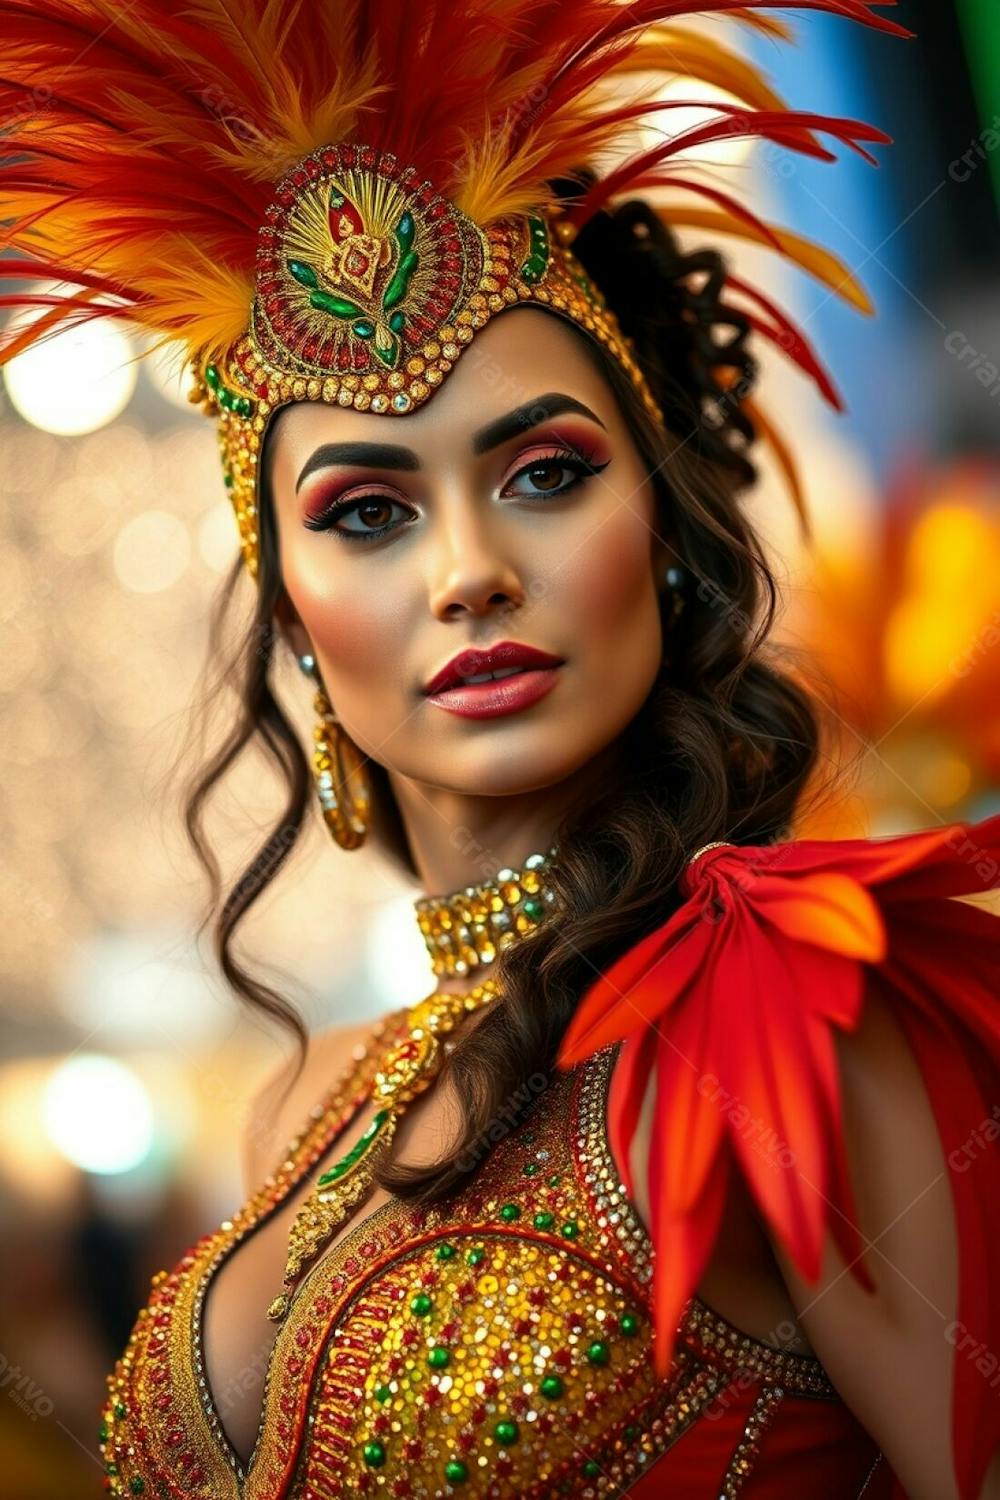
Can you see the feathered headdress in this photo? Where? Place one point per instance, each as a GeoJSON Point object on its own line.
{"type": "Point", "coordinates": [326, 202]}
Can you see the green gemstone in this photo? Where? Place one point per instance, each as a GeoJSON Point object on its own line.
{"type": "Point", "coordinates": [455, 1471]}
{"type": "Point", "coordinates": [554, 1180]}
{"type": "Point", "coordinates": [551, 1386]}
{"type": "Point", "coordinates": [446, 1252]}
{"type": "Point", "coordinates": [244, 406]}
{"type": "Point", "coordinates": [506, 1432]}
{"type": "Point", "coordinates": [631, 1432]}
{"type": "Point", "coordinates": [397, 321]}
{"type": "Point", "coordinates": [374, 1454]}
{"type": "Point", "coordinates": [591, 1469]}
{"type": "Point", "coordinates": [225, 398]}
{"type": "Point", "coordinates": [531, 1169]}
{"type": "Point", "coordinates": [111, 1468]}
{"type": "Point", "coordinates": [364, 328]}
{"type": "Point", "coordinates": [475, 1256]}
{"type": "Point", "coordinates": [121, 1410]}
{"type": "Point", "coordinates": [570, 1229]}
{"type": "Point", "coordinates": [438, 1357]}
{"type": "Point", "coordinates": [383, 1393]}
{"type": "Point", "coordinates": [212, 377]}
{"type": "Point", "coordinates": [227, 480]}
{"type": "Point", "coordinates": [137, 1484]}
{"type": "Point", "coordinates": [421, 1304]}
{"type": "Point", "coordinates": [509, 1212]}
{"type": "Point", "coordinates": [598, 1353]}
{"type": "Point", "coordinates": [532, 908]}
{"type": "Point", "coordinates": [629, 1325]}
{"type": "Point", "coordinates": [303, 273]}
{"type": "Point", "coordinates": [102, 1432]}
{"type": "Point", "coordinates": [544, 1220]}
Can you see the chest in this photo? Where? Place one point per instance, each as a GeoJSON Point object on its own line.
{"type": "Point", "coordinates": [489, 1345]}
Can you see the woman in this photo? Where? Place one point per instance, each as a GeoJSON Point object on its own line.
{"type": "Point", "coordinates": [485, 1250]}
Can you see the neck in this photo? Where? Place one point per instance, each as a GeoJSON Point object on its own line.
{"type": "Point", "coordinates": [458, 840]}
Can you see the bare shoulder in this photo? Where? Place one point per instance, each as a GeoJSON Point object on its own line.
{"type": "Point", "coordinates": [280, 1105]}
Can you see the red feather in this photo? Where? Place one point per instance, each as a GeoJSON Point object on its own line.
{"type": "Point", "coordinates": [738, 998]}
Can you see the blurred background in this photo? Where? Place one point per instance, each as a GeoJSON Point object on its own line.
{"type": "Point", "coordinates": [126, 1067]}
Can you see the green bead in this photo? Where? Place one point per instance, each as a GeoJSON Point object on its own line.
{"type": "Point", "coordinates": [510, 1212]}
{"type": "Point", "coordinates": [591, 1469]}
{"type": "Point", "coordinates": [111, 1468]}
{"type": "Point", "coordinates": [227, 480]}
{"type": "Point", "coordinates": [438, 1357]}
{"type": "Point", "coordinates": [225, 398]}
{"type": "Point", "coordinates": [544, 1220]}
{"type": "Point", "coordinates": [212, 377]}
{"type": "Point", "coordinates": [630, 1325]}
{"type": "Point", "coordinates": [383, 1393]}
{"type": "Point", "coordinates": [121, 1410]}
{"type": "Point", "coordinates": [551, 1386]}
{"type": "Point", "coordinates": [531, 1169]}
{"type": "Point", "coordinates": [631, 1432]}
{"type": "Point", "coordinates": [374, 1454]}
{"type": "Point", "coordinates": [532, 908]}
{"type": "Point", "coordinates": [598, 1353]}
{"type": "Point", "coordinates": [506, 1432]}
{"type": "Point", "coordinates": [102, 1432]}
{"type": "Point", "coordinates": [455, 1471]}
{"type": "Point", "coordinates": [554, 1180]}
{"type": "Point", "coordinates": [137, 1484]}
{"type": "Point", "coordinates": [446, 1252]}
{"type": "Point", "coordinates": [475, 1256]}
{"type": "Point", "coordinates": [421, 1304]}
{"type": "Point", "coordinates": [570, 1229]}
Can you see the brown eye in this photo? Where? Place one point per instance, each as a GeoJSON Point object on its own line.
{"type": "Point", "coordinates": [551, 472]}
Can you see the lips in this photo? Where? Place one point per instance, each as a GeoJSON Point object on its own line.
{"type": "Point", "coordinates": [474, 662]}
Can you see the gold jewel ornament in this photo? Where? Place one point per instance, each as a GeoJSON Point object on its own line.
{"type": "Point", "coordinates": [328, 202]}
{"type": "Point", "coordinates": [472, 926]}
{"type": "Point", "coordinates": [407, 1070]}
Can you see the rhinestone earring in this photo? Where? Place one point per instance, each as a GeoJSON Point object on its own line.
{"type": "Point", "coordinates": [675, 579]}
{"type": "Point", "coordinates": [341, 784]}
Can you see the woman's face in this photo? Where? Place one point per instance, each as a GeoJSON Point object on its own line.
{"type": "Point", "coordinates": [512, 507]}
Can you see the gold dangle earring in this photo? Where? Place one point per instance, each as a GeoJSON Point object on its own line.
{"type": "Point", "coordinates": [341, 784]}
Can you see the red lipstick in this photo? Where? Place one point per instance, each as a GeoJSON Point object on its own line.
{"type": "Point", "coordinates": [526, 675]}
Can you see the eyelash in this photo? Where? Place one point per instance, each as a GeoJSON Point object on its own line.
{"type": "Point", "coordinates": [581, 462]}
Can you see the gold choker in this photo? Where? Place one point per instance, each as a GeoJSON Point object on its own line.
{"type": "Point", "coordinates": [470, 927]}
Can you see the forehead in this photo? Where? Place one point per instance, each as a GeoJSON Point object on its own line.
{"type": "Point", "coordinates": [519, 355]}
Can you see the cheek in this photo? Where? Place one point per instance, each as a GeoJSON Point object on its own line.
{"type": "Point", "coordinates": [358, 631]}
{"type": "Point", "coordinates": [611, 595]}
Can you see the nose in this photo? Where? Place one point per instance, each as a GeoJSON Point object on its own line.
{"type": "Point", "coordinates": [471, 570]}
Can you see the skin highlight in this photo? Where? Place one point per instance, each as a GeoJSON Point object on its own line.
{"type": "Point", "coordinates": [540, 528]}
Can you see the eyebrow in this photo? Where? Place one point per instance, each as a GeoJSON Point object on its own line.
{"type": "Point", "coordinates": [390, 456]}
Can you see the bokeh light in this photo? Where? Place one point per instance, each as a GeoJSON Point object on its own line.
{"type": "Point", "coordinates": [98, 1114]}
{"type": "Point", "coordinates": [75, 382]}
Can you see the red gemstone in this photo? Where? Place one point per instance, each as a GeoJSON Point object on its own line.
{"type": "Point", "coordinates": [478, 1413]}
{"type": "Point", "coordinates": [466, 1440]}
{"type": "Point", "coordinates": [174, 1438]}
{"type": "Point", "coordinates": [432, 1396]}
{"type": "Point", "coordinates": [367, 156]}
{"type": "Point", "coordinates": [347, 155]}
{"type": "Point", "coordinates": [523, 1326]}
{"type": "Point", "coordinates": [368, 1249]}
{"type": "Point", "coordinates": [313, 168]}
{"type": "Point", "coordinates": [361, 362]}
{"type": "Point", "coordinates": [537, 1296]}
{"type": "Point", "coordinates": [388, 166]}
{"type": "Point", "coordinates": [337, 1282]}
{"type": "Point", "coordinates": [322, 1305]}
{"type": "Point", "coordinates": [343, 360]}
{"type": "Point", "coordinates": [299, 178]}
{"type": "Point", "coordinates": [437, 209]}
{"type": "Point", "coordinates": [409, 177]}
{"type": "Point", "coordinates": [452, 243]}
{"type": "Point", "coordinates": [163, 1402]}
{"type": "Point", "coordinates": [286, 198]}
{"type": "Point", "coordinates": [293, 1365]}
{"type": "Point", "coordinates": [563, 1358]}
{"type": "Point", "coordinates": [409, 1337]}
{"type": "Point", "coordinates": [413, 1448]}
{"type": "Point", "coordinates": [490, 1386]}
{"type": "Point", "coordinates": [450, 263]}
{"type": "Point", "coordinates": [196, 1476]}
{"type": "Point", "coordinates": [330, 157]}
{"type": "Point", "coordinates": [303, 1338]}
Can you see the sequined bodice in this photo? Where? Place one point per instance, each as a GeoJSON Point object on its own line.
{"type": "Point", "coordinates": [497, 1345]}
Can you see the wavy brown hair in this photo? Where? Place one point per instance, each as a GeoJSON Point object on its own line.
{"type": "Point", "coordinates": [722, 748]}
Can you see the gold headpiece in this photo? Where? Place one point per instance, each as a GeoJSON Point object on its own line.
{"type": "Point", "coordinates": [325, 203]}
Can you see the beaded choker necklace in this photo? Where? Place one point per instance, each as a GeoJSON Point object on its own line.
{"type": "Point", "coordinates": [470, 927]}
